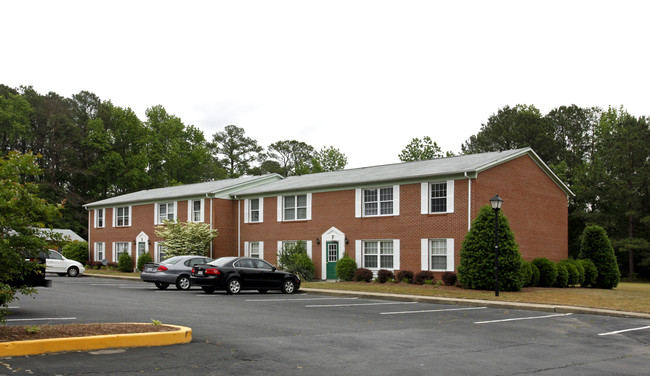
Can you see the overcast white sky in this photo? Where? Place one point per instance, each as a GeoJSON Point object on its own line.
{"type": "Point", "coordinates": [363, 76]}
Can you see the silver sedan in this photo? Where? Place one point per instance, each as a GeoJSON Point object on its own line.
{"type": "Point", "coordinates": [174, 270]}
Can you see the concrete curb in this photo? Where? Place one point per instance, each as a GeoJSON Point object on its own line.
{"type": "Point", "coordinates": [43, 346]}
{"type": "Point", "coordinates": [482, 303]}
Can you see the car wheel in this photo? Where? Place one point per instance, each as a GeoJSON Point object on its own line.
{"type": "Point", "coordinates": [208, 289]}
{"type": "Point", "coordinates": [233, 286]}
{"type": "Point", "coordinates": [288, 287]}
{"type": "Point", "coordinates": [262, 291]}
{"type": "Point", "coordinates": [162, 285]}
{"type": "Point", "coordinates": [73, 271]}
{"type": "Point", "coordinates": [183, 282]}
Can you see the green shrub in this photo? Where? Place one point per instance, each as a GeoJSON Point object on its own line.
{"type": "Point", "coordinates": [125, 263]}
{"type": "Point", "coordinates": [573, 275]}
{"type": "Point", "coordinates": [591, 273]}
{"type": "Point", "coordinates": [581, 270]}
{"type": "Point", "coordinates": [143, 259]}
{"type": "Point", "coordinates": [528, 273]}
{"type": "Point", "coordinates": [547, 271]}
{"type": "Point", "coordinates": [596, 247]}
{"type": "Point", "coordinates": [76, 250]}
{"type": "Point", "coordinates": [362, 275]}
{"type": "Point", "coordinates": [294, 259]}
{"type": "Point", "coordinates": [476, 269]}
{"type": "Point", "coordinates": [534, 280]}
{"type": "Point", "coordinates": [423, 276]}
{"type": "Point", "coordinates": [562, 279]}
{"type": "Point", "coordinates": [345, 268]}
{"type": "Point", "coordinates": [449, 278]}
{"type": "Point", "coordinates": [384, 275]}
{"type": "Point", "coordinates": [404, 276]}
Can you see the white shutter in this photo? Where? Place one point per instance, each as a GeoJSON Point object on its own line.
{"type": "Point", "coordinates": [359, 253]}
{"type": "Point", "coordinates": [396, 200]}
{"type": "Point", "coordinates": [424, 254]}
{"type": "Point", "coordinates": [280, 214]}
{"type": "Point", "coordinates": [309, 250]}
{"type": "Point", "coordinates": [246, 249]}
{"type": "Point", "coordinates": [246, 205]}
{"type": "Point", "coordinates": [261, 208]}
{"type": "Point", "coordinates": [279, 249]}
{"type": "Point", "coordinates": [424, 198]}
{"type": "Point", "coordinates": [308, 206]}
{"type": "Point", "coordinates": [261, 245]}
{"type": "Point", "coordinates": [155, 214]}
{"type": "Point", "coordinates": [450, 255]}
{"type": "Point", "coordinates": [450, 196]}
{"type": "Point", "coordinates": [358, 203]}
{"type": "Point", "coordinates": [396, 255]}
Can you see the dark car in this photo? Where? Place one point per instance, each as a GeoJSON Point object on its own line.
{"type": "Point", "coordinates": [34, 277]}
{"type": "Point", "coordinates": [234, 274]}
{"type": "Point", "coordinates": [174, 270]}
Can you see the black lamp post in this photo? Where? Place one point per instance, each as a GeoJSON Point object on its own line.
{"type": "Point", "coordinates": [496, 203]}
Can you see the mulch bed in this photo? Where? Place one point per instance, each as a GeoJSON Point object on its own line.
{"type": "Point", "coordinates": [26, 332]}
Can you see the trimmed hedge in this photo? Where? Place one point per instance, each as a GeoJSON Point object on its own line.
{"type": "Point", "coordinates": [362, 275]}
{"type": "Point", "coordinates": [596, 247]}
{"type": "Point", "coordinates": [573, 274]}
{"type": "Point", "coordinates": [562, 279]}
{"type": "Point", "coordinates": [143, 259]}
{"type": "Point", "coordinates": [125, 263]}
{"type": "Point", "coordinates": [345, 268]}
{"type": "Point", "coordinates": [591, 273]}
{"type": "Point", "coordinates": [449, 278]}
{"type": "Point", "coordinates": [422, 276]}
{"type": "Point", "coordinates": [384, 275]}
{"type": "Point", "coordinates": [405, 275]}
{"type": "Point", "coordinates": [547, 271]}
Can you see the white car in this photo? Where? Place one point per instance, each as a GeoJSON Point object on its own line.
{"type": "Point", "coordinates": [57, 263]}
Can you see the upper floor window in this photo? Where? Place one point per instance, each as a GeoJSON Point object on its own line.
{"type": "Point", "coordinates": [294, 208]}
{"type": "Point", "coordinates": [166, 211]}
{"type": "Point", "coordinates": [372, 202]}
{"type": "Point", "coordinates": [437, 197]}
{"type": "Point", "coordinates": [99, 218]}
{"type": "Point", "coordinates": [195, 211]}
{"type": "Point", "coordinates": [254, 210]}
{"type": "Point", "coordinates": [122, 216]}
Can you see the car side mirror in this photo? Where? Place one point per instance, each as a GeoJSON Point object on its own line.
{"type": "Point", "coordinates": [274, 268]}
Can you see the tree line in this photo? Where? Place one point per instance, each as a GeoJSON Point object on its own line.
{"type": "Point", "coordinates": [90, 149]}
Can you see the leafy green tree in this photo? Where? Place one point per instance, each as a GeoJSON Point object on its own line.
{"type": "Point", "coordinates": [238, 150]}
{"type": "Point", "coordinates": [295, 157]}
{"type": "Point", "coordinates": [22, 214]}
{"type": "Point", "coordinates": [419, 150]}
{"type": "Point", "coordinates": [294, 259]}
{"type": "Point", "coordinates": [329, 159]}
{"type": "Point", "coordinates": [597, 248]}
{"type": "Point", "coordinates": [14, 122]}
{"type": "Point", "coordinates": [186, 238]}
{"type": "Point", "coordinates": [477, 256]}
{"type": "Point", "coordinates": [77, 251]}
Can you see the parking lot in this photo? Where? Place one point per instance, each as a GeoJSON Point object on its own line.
{"type": "Point", "coordinates": [272, 334]}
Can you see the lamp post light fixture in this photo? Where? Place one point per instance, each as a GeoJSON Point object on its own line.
{"type": "Point", "coordinates": [496, 203]}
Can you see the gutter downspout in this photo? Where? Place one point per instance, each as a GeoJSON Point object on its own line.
{"type": "Point", "coordinates": [207, 195]}
{"type": "Point", "coordinates": [238, 226]}
{"type": "Point", "coordinates": [469, 201]}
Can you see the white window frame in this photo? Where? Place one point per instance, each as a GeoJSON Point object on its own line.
{"type": "Point", "coordinates": [250, 246]}
{"type": "Point", "coordinates": [282, 243]}
{"type": "Point", "coordinates": [101, 224]}
{"type": "Point", "coordinates": [281, 208]}
{"type": "Point", "coordinates": [99, 247]}
{"type": "Point", "coordinates": [158, 248]}
{"type": "Point", "coordinates": [157, 219]}
{"type": "Point", "coordinates": [115, 252]}
{"type": "Point", "coordinates": [425, 197]}
{"type": "Point", "coordinates": [361, 253]}
{"type": "Point", "coordinates": [191, 211]}
{"type": "Point", "coordinates": [359, 205]}
{"type": "Point", "coordinates": [425, 254]}
{"type": "Point", "coordinates": [248, 210]}
{"type": "Point", "coordinates": [128, 216]}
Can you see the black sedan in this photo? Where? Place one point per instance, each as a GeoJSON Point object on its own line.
{"type": "Point", "coordinates": [234, 274]}
{"type": "Point", "coordinates": [174, 270]}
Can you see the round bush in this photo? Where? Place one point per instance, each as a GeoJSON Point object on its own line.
{"type": "Point", "coordinates": [534, 280]}
{"type": "Point", "coordinates": [528, 272]}
{"type": "Point", "coordinates": [596, 247]}
{"type": "Point", "coordinates": [574, 276]}
{"type": "Point", "coordinates": [345, 268]}
{"type": "Point", "coordinates": [591, 273]}
{"type": "Point", "coordinates": [362, 275]}
{"type": "Point", "coordinates": [581, 270]}
{"type": "Point", "coordinates": [143, 259]}
{"type": "Point", "coordinates": [384, 275]}
{"type": "Point", "coordinates": [77, 251]}
{"type": "Point", "coordinates": [405, 276]}
{"type": "Point", "coordinates": [562, 276]}
{"type": "Point", "coordinates": [422, 276]}
{"type": "Point", "coordinates": [449, 278]}
{"type": "Point", "coordinates": [125, 263]}
{"type": "Point", "coordinates": [547, 271]}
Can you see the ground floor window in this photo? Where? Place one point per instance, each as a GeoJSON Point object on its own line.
{"type": "Point", "coordinates": [160, 251]}
{"type": "Point", "coordinates": [438, 254]}
{"type": "Point", "coordinates": [99, 252]}
{"type": "Point", "coordinates": [254, 249]}
{"type": "Point", "coordinates": [119, 248]}
{"type": "Point", "coordinates": [378, 254]}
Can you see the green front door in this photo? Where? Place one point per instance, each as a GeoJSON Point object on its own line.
{"type": "Point", "coordinates": [332, 249]}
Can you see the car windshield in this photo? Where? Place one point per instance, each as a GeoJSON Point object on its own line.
{"type": "Point", "coordinates": [172, 260]}
{"type": "Point", "coordinates": [222, 261]}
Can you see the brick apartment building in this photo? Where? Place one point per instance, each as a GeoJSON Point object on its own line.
{"type": "Point", "coordinates": [405, 216]}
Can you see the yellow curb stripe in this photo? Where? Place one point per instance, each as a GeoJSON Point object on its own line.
{"type": "Point", "coordinates": [42, 346]}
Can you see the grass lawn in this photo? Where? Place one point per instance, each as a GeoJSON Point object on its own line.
{"type": "Point", "coordinates": [632, 297]}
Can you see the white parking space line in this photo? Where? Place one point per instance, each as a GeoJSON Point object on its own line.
{"type": "Point", "coordinates": [45, 319]}
{"type": "Point", "coordinates": [624, 330]}
{"type": "Point", "coordinates": [355, 304]}
{"type": "Point", "coordinates": [523, 318]}
{"type": "Point", "coordinates": [295, 299]}
{"type": "Point", "coordinates": [432, 310]}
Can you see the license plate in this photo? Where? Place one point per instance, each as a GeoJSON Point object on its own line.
{"type": "Point", "coordinates": [200, 272]}
{"type": "Point", "coordinates": [150, 269]}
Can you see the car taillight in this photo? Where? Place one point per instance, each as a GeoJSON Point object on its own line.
{"type": "Point", "coordinates": [213, 271]}
{"type": "Point", "coordinates": [162, 268]}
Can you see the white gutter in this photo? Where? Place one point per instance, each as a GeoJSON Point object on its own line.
{"type": "Point", "coordinates": [469, 201]}
{"type": "Point", "coordinates": [207, 195]}
{"type": "Point", "coordinates": [238, 226]}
